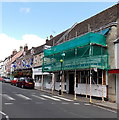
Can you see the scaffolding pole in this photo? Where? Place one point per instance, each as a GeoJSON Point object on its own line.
{"type": "Point", "coordinates": [86, 87]}
{"type": "Point", "coordinates": [90, 53]}
{"type": "Point", "coordinates": [53, 79]}
{"type": "Point", "coordinates": [90, 86]}
{"type": "Point", "coordinates": [102, 87]}
{"type": "Point", "coordinates": [75, 76]}
{"type": "Point", "coordinates": [75, 85]}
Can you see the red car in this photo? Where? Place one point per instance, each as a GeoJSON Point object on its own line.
{"type": "Point", "coordinates": [25, 82]}
{"type": "Point", "coordinates": [14, 81]}
{"type": "Point", "coordinates": [2, 79]}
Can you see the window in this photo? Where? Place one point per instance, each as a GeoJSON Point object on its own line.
{"type": "Point", "coordinates": [84, 76]}
{"type": "Point", "coordinates": [99, 76]}
{"type": "Point", "coordinates": [94, 77]}
{"type": "Point", "coordinates": [58, 77]}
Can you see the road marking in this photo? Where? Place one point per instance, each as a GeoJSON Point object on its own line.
{"type": "Point", "coordinates": [7, 97]}
{"type": "Point", "coordinates": [39, 97]}
{"type": "Point", "coordinates": [86, 104]}
{"type": "Point", "coordinates": [2, 113]}
{"type": "Point", "coordinates": [63, 98]}
{"type": "Point", "coordinates": [22, 96]}
{"type": "Point", "coordinates": [64, 103]}
{"type": "Point", "coordinates": [50, 97]}
{"type": "Point", "coordinates": [76, 103]}
{"type": "Point", "coordinates": [6, 116]}
{"type": "Point", "coordinates": [8, 103]}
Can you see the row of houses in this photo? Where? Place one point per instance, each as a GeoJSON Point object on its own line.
{"type": "Point", "coordinates": [80, 60]}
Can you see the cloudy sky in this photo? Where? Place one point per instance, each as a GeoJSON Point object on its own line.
{"type": "Point", "coordinates": [33, 22]}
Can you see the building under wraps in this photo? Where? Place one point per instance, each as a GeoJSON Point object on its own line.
{"type": "Point", "coordinates": [80, 65]}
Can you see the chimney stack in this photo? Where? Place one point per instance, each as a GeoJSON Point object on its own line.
{"type": "Point", "coordinates": [20, 48]}
{"type": "Point", "coordinates": [47, 40]}
{"type": "Point", "coordinates": [26, 47]}
{"type": "Point", "coordinates": [51, 37]}
{"type": "Point", "coordinates": [14, 52]}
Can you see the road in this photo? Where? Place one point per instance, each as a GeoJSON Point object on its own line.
{"type": "Point", "coordinates": [28, 103]}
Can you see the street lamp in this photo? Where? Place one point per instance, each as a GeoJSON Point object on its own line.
{"type": "Point", "coordinates": [61, 74]}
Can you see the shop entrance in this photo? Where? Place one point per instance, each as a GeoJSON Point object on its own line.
{"type": "Point", "coordinates": [71, 83]}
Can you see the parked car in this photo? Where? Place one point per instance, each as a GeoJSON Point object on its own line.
{"type": "Point", "coordinates": [14, 81]}
{"type": "Point", "coordinates": [7, 80]}
{"type": "Point", "coordinates": [2, 79]}
{"type": "Point", "coordinates": [25, 82]}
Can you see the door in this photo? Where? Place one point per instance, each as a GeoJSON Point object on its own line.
{"type": "Point", "coordinates": [71, 83]}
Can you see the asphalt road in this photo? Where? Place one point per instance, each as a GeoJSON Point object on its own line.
{"type": "Point", "coordinates": [28, 103]}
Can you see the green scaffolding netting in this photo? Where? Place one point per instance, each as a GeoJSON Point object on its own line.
{"type": "Point", "coordinates": [77, 54]}
{"type": "Point", "coordinates": [91, 37]}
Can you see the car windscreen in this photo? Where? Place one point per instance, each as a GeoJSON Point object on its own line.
{"type": "Point", "coordinates": [21, 79]}
{"type": "Point", "coordinates": [29, 80]}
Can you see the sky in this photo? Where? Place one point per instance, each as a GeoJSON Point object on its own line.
{"type": "Point", "coordinates": [32, 22]}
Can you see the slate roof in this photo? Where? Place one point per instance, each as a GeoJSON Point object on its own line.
{"type": "Point", "coordinates": [95, 22]}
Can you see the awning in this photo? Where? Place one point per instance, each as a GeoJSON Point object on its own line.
{"type": "Point", "coordinates": [116, 71]}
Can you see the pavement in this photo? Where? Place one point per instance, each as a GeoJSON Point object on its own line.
{"type": "Point", "coordinates": [97, 102]}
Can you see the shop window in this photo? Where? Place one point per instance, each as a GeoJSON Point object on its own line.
{"type": "Point", "coordinates": [99, 76]}
{"type": "Point", "coordinates": [36, 78]}
{"type": "Point", "coordinates": [65, 87]}
{"type": "Point", "coordinates": [58, 77]}
{"type": "Point", "coordinates": [84, 77]}
{"type": "Point", "coordinates": [94, 77]}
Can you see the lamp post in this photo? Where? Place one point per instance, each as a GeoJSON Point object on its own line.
{"type": "Point", "coordinates": [62, 74]}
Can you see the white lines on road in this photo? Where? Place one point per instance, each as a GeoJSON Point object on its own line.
{"type": "Point", "coordinates": [39, 97]}
{"type": "Point", "coordinates": [86, 104]}
{"type": "Point", "coordinates": [50, 97]}
{"type": "Point", "coordinates": [63, 98]}
{"type": "Point", "coordinates": [76, 103]}
{"type": "Point", "coordinates": [7, 97]}
{"type": "Point", "coordinates": [65, 103]}
{"type": "Point", "coordinates": [2, 113]}
{"type": "Point", "coordinates": [6, 116]}
{"type": "Point", "coordinates": [22, 96]}
{"type": "Point", "coordinates": [8, 103]}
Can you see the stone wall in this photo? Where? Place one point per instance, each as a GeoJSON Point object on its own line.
{"type": "Point", "coordinates": [112, 63]}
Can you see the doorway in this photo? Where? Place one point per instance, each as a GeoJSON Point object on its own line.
{"type": "Point", "coordinates": [71, 83]}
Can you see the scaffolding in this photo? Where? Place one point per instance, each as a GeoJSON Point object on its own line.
{"type": "Point", "coordinates": [87, 51]}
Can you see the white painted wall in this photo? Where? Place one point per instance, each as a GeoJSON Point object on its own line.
{"type": "Point", "coordinates": [38, 84]}
{"type": "Point", "coordinates": [96, 90]}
